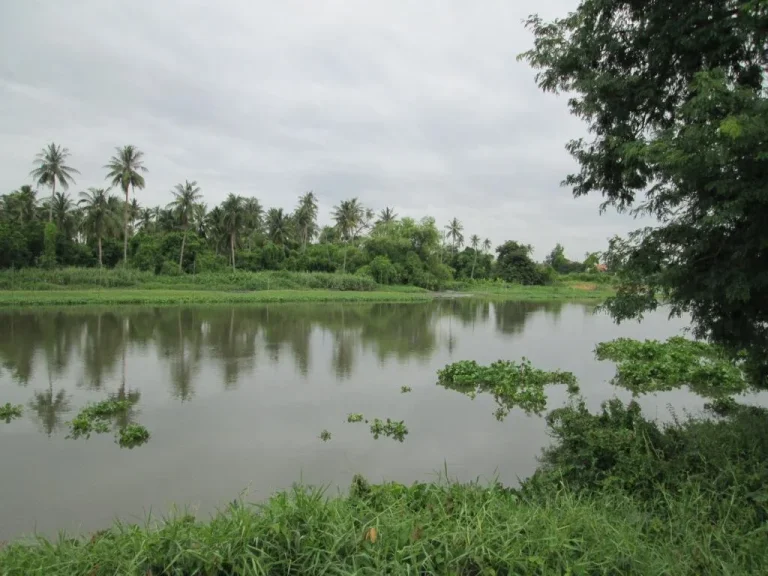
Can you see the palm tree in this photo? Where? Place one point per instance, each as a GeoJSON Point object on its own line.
{"type": "Point", "coordinates": [306, 217]}
{"type": "Point", "coordinates": [454, 230]}
{"type": "Point", "coordinates": [199, 217]}
{"type": "Point", "coordinates": [349, 216]}
{"type": "Point", "coordinates": [232, 220]}
{"type": "Point", "coordinates": [99, 215]}
{"type": "Point", "coordinates": [253, 218]}
{"type": "Point", "coordinates": [487, 245]}
{"type": "Point", "coordinates": [183, 205]}
{"type": "Point", "coordinates": [146, 220]}
{"type": "Point", "coordinates": [63, 209]}
{"type": "Point", "coordinates": [474, 241]}
{"type": "Point", "coordinates": [278, 226]}
{"type": "Point", "coordinates": [21, 206]}
{"type": "Point", "coordinates": [125, 169]}
{"type": "Point", "coordinates": [386, 216]}
{"type": "Point", "coordinates": [52, 168]}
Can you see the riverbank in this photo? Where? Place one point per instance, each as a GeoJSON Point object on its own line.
{"type": "Point", "coordinates": [81, 286]}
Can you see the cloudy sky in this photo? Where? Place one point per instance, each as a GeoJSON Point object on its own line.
{"type": "Point", "coordinates": [419, 105]}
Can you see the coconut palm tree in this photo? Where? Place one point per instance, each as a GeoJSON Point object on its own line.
{"type": "Point", "coordinates": [99, 216]}
{"type": "Point", "coordinates": [349, 216]}
{"type": "Point", "coordinates": [254, 214]}
{"type": "Point", "coordinates": [278, 226]}
{"type": "Point", "coordinates": [200, 219]}
{"type": "Point", "coordinates": [146, 220]}
{"type": "Point", "coordinates": [474, 242]}
{"type": "Point", "coordinates": [386, 216]}
{"type": "Point", "coordinates": [125, 170]}
{"type": "Point", "coordinates": [232, 220]}
{"type": "Point", "coordinates": [185, 198]}
{"type": "Point", "coordinates": [454, 231]}
{"type": "Point", "coordinates": [52, 168]}
{"type": "Point", "coordinates": [306, 218]}
{"type": "Point", "coordinates": [21, 206]}
{"type": "Point", "coordinates": [487, 245]}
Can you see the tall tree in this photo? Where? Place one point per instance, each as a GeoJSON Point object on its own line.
{"type": "Point", "coordinates": [254, 215]}
{"type": "Point", "coordinates": [63, 214]}
{"type": "Point", "coordinates": [454, 231]}
{"type": "Point", "coordinates": [386, 216]}
{"type": "Point", "coordinates": [98, 214]}
{"type": "Point", "coordinates": [306, 218]}
{"type": "Point", "coordinates": [674, 96]}
{"type": "Point", "coordinates": [232, 220]}
{"type": "Point", "coordinates": [125, 170]}
{"type": "Point", "coordinates": [349, 216]}
{"type": "Point", "coordinates": [185, 197]}
{"type": "Point", "coordinates": [278, 226]}
{"type": "Point", "coordinates": [487, 245]}
{"type": "Point", "coordinates": [52, 168]}
{"type": "Point", "coordinates": [474, 241]}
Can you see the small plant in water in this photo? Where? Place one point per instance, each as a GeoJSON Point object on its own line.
{"type": "Point", "coordinates": [10, 412]}
{"type": "Point", "coordinates": [325, 435]}
{"type": "Point", "coordinates": [405, 389]}
{"type": "Point", "coordinates": [511, 384]}
{"type": "Point", "coordinates": [390, 428]}
{"type": "Point", "coordinates": [132, 435]}
{"type": "Point", "coordinates": [354, 418]}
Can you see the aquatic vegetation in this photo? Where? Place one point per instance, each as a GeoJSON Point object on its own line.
{"type": "Point", "coordinates": [9, 412]}
{"type": "Point", "coordinates": [132, 435]}
{"type": "Point", "coordinates": [354, 418]}
{"type": "Point", "coordinates": [325, 435]}
{"type": "Point", "coordinates": [511, 384]}
{"type": "Point", "coordinates": [389, 428]}
{"type": "Point", "coordinates": [653, 366]}
{"type": "Point", "coordinates": [405, 389]}
{"type": "Point", "coordinates": [106, 408]}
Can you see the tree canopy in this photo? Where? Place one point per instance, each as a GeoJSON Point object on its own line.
{"type": "Point", "coordinates": [674, 97]}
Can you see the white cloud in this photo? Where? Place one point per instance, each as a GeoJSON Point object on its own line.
{"type": "Point", "coordinates": [420, 105]}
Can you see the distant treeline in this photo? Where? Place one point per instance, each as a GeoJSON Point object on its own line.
{"type": "Point", "coordinates": [99, 228]}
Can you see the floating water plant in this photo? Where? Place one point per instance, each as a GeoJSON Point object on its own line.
{"type": "Point", "coordinates": [390, 428]}
{"type": "Point", "coordinates": [325, 435]}
{"type": "Point", "coordinates": [132, 435]}
{"type": "Point", "coordinates": [653, 366]}
{"type": "Point", "coordinates": [354, 418]}
{"type": "Point", "coordinates": [511, 384]}
{"type": "Point", "coordinates": [9, 412]}
{"type": "Point", "coordinates": [405, 389]}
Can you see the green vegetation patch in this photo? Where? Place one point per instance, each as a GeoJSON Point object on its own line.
{"type": "Point", "coordinates": [653, 366]}
{"type": "Point", "coordinates": [352, 418]}
{"type": "Point", "coordinates": [405, 389]}
{"type": "Point", "coordinates": [132, 435]}
{"type": "Point", "coordinates": [97, 418]}
{"type": "Point", "coordinates": [390, 428]}
{"type": "Point", "coordinates": [511, 384]}
{"type": "Point", "coordinates": [325, 435]}
{"type": "Point", "coordinates": [10, 412]}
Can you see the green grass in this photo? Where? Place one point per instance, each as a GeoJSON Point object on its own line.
{"type": "Point", "coordinates": [435, 528]}
{"type": "Point", "coordinates": [161, 297]}
{"type": "Point", "coordinates": [563, 290]}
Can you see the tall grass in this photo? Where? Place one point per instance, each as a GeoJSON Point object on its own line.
{"type": "Point", "coordinates": [422, 529]}
{"type": "Point", "coordinates": [40, 279]}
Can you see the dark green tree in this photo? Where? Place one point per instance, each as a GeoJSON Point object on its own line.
{"type": "Point", "coordinates": [52, 168]}
{"type": "Point", "coordinates": [125, 170]}
{"type": "Point", "coordinates": [185, 198]}
{"type": "Point", "coordinates": [674, 96]}
{"type": "Point", "coordinates": [514, 264]}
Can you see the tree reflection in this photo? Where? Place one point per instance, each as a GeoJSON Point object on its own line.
{"type": "Point", "coordinates": [95, 343]}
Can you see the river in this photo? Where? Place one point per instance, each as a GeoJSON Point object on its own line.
{"type": "Point", "coordinates": [235, 399]}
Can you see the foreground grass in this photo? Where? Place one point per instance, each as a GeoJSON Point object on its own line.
{"type": "Point", "coordinates": [394, 529]}
{"type": "Point", "coordinates": [28, 298]}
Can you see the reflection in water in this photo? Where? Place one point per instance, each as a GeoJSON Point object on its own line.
{"type": "Point", "coordinates": [235, 339]}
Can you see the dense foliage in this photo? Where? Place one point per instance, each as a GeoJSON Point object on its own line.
{"type": "Point", "coordinates": [186, 237]}
{"type": "Point", "coordinates": [674, 94]}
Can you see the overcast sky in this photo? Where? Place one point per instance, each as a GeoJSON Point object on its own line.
{"type": "Point", "coordinates": [415, 104]}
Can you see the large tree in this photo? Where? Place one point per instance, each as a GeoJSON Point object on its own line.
{"type": "Point", "coordinates": [305, 218]}
{"type": "Point", "coordinates": [454, 231]}
{"type": "Point", "coordinates": [232, 221]}
{"type": "Point", "coordinates": [99, 217]}
{"type": "Point", "coordinates": [185, 198]}
{"type": "Point", "coordinates": [125, 170]}
{"type": "Point", "coordinates": [351, 218]}
{"type": "Point", "coordinates": [52, 168]}
{"type": "Point", "coordinates": [674, 96]}
{"type": "Point", "coordinates": [278, 226]}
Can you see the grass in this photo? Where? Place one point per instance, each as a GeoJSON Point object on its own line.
{"type": "Point", "coordinates": [162, 297]}
{"type": "Point", "coordinates": [80, 286]}
{"type": "Point", "coordinates": [435, 528]}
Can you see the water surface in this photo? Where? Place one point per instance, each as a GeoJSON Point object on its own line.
{"type": "Point", "coordinates": [236, 397]}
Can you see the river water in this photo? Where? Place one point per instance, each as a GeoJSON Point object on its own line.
{"type": "Point", "coordinates": [235, 399]}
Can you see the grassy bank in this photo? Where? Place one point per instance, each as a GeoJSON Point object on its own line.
{"type": "Point", "coordinates": [421, 529]}
{"type": "Point", "coordinates": [28, 298]}
{"type": "Point", "coordinates": [71, 286]}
